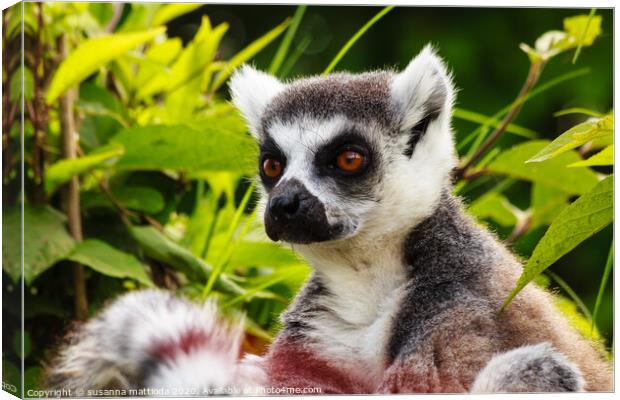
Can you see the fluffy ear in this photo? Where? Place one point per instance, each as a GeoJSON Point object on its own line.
{"type": "Point", "coordinates": [422, 94]}
{"type": "Point", "coordinates": [251, 91]}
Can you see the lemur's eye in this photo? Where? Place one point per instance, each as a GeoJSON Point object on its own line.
{"type": "Point", "coordinates": [349, 161]}
{"type": "Point", "coordinates": [272, 167]}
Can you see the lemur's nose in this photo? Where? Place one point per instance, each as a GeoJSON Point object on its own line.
{"type": "Point", "coordinates": [284, 206]}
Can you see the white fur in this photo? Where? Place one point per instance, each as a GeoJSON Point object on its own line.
{"type": "Point", "coordinates": [417, 83]}
{"type": "Point", "coordinates": [114, 346]}
{"type": "Point", "coordinates": [251, 91]}
{"type": "Point", "coordinates": [367, 288]}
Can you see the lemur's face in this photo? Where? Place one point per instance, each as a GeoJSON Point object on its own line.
{"type": "Point", "coordinates": [347, 155]}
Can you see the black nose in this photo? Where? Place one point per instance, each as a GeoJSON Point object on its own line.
{"type": "Point", "coordinates": [285, 206]}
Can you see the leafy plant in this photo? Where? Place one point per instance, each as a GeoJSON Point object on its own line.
{"type": "Point", "coordinates": [139, 173]}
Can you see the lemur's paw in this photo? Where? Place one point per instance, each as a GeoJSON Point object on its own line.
{"type": "Point", "coordinates": [150, 339]}
{"type": "Point", "coordinates": [538, 368]}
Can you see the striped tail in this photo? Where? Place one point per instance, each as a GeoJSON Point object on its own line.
{"type": "Point", "coordinates": [153, 340]}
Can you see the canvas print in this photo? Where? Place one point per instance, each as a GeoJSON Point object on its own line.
{"type": "Point", "coordinates": [228, 199]}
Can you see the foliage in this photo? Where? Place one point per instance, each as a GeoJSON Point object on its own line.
{"type": "Point", "coordinates": [165, 167]}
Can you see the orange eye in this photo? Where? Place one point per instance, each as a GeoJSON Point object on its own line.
{"type": "Point", "coordinates": [349, 161]}
{"type": "Point", "coordinates": [272, 167]}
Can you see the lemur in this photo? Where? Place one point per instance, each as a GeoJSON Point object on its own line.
{"type": "Point", "coordinates": [406, 287]}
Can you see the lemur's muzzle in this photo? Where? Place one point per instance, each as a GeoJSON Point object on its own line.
{"type": "Point", "coordinates": [295, 215]}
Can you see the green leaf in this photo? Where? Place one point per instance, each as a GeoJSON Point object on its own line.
{"type": "Point", "coordinates": [579, 31]}
{"type": "Point", "coordinates": [162, 249]}
{"type": "Point", "coordinates": [551, 173]}
{"type": "Point", "coordinates": [109, 261]}
{"type": "Point", "coordinates": [583, 28]}
{"type": "Point", "coordinates": [578, 110]}
{"type": "Point", "coordinates": [546, 204]}
{"type": "Point", "coordinates": [575, 137]}
{"type": "Point", "coordinates": [494, 206]}
{"type": "Point", "coordinates": [140, 17]}
{"type": "Point", "coordinates": [47, 241]}
{"type": "Point", "coordinates": [169, 12]}
{"type": "Point", "coordinates": [486, 120]}
{"type": "Point", "coordinates": [63, 170]}
{"type": "Point", "coordinates": [247, 53]}
{"type": "Point", "coordinates": [179, 147]}
{"type": "Point", "coordinates": [586, 216]}
{"type": "Point", "coordinates": [93, 54]}
{"type": "Point", "coordinates": [137, 198]}
{"type": "Point", "coordinates": [102, 12]}
{"type": "Point", "coordinates": [192, 63]}
{"type": "Point", "coordinates": [16, 85]}
{"type": "Point", "coordinates": [603, 157]}
{"type": "Point", "coordinates": [156, 59]}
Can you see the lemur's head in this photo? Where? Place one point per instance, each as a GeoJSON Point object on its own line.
{"type": "Point", "coordinates": [344, 155]}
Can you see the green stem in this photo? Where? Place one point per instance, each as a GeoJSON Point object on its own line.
{"type": "Point", "coordinates": [494, 118]}
{"type": "Point", "coordinates": [583, 35]}
{"type": "Point", "coordinates": [229, 235]}
{"type": "Point", "coordinates": [601, 289]}
{"type": "Point", "coordinates": [276, 63]}
{"type": "Point", "coordinates": [571, 293]}
{"type": "Point", "coordinates": [355, 37]}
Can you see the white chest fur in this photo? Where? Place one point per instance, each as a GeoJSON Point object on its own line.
{"type": "Point", "coordinates": [365, 299]}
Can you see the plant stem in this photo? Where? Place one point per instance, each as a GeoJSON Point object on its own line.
{"type": "Point", "coordinates": [532, 77]}
{"type": "Point", "coordinates": [38, 112]}
{"type": "Point", "coordinates": [7, 121]}
{"type": "Point", "coordinates": [276, 63]}
{"type": "Point", "coordinates": [71, 192]}
{"type": "Point", "coordinates": [354, 39]}
{"type": "Point", "coordinates": [601, 290]}
{"type": "Point", "coordinates": [116, 17]}
{"type": "Point", "coordinates": [572, 294]}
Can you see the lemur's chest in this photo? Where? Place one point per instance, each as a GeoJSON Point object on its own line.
{"type": "Point", "coordinates": [357, 324]}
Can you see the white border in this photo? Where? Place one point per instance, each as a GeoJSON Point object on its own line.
{"type": "Point", "coordinates": [458, 3]}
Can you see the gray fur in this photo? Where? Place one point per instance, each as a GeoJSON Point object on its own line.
{"type": "Point", "coordinates": [361, 98]}
{"type": "Point", "coordinates": [529, 369]}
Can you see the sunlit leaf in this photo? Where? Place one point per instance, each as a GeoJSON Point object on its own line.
{"type": "Point", "coordinates": [93, 54]}
{"type": "Point", "coordinates": [594, 128]}
{"type": "Point", "coordinates": [603, 157]}
{"type": "Point", "coordinates": [586, 216]}
{"type": "Point", "coordinates": [169, 12]}
{"type": "Point", "coordinates": [583, 28]}
{"type": "Point", "coordinates": [179, 147]}
{"type": "Point", "coordinates": [109, 261]}
{"type": "Point", "coordinates": [579, 31]}
{"type": "Point", "coordinates": [551, 173]}
{"type": "Point", "coordinates": [62, 171]}
{"type": "Point", "coordinates": [156, 59]}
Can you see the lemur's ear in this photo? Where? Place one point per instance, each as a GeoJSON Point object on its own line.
{"type": "Point", "coordinates": [422, 94]}
{"type": "Point", "coordinates": [251, 91]}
